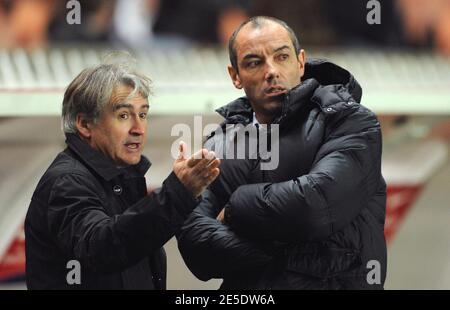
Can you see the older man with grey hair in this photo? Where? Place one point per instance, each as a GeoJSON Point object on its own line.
{"type": "Point", "coordinates": [91, 223]}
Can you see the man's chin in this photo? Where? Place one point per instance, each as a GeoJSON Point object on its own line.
{"type": "Point", "coordinates": [129, 161]}
{"type": "Point", "coordinates": [272, 108]}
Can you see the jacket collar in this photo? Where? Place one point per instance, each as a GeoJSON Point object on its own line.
{"type": "Point", "coordinates": [240, 110]}
{"type": "Point", "coordinates": [237, 111]}
{"type": "Point", "coordinates": [100, 163]}
{"type": "Point", "coordinates": [318, 73]}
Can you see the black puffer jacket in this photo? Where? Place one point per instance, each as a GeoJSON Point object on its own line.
{"type": "Point", "coordinates": [86, 209]}
{"type": "Point", "coordinates": [314, 222]}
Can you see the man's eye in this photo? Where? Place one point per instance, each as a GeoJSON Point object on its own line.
{"type": "Point", "coordinates": [143, 115]}
{"type": "Point", "coordinates": [253, 64]}
{"type": "Point", "coordinates": [283, 57]}
{"type": "Point", "coordinates": [123, 116]}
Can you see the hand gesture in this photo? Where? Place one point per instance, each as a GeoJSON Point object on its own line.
{"type": "Point", "coordinates": [197, 172]}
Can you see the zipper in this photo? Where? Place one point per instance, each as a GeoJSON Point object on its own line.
{"type": "Point", "coordinates": [284, 107]}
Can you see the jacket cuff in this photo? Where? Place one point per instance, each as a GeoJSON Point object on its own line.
{"type": "Point", "coordinates": [183, 198]}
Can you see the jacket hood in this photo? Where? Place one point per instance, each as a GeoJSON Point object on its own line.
{"type": "Point", "coordinates": [319, 74]}
{"type": "Point", "coordinates": [328, 73]}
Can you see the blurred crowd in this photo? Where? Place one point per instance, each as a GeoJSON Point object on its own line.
{"type": "Point", "coordinates": [146, 23]}
{"type": "Point", "coordinates": [135, 23]}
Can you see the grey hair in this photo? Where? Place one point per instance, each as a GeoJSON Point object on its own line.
{"type": "Point", "coordinates": [259, 22]}
{"type": "Point", "coordinates": [90, 92]}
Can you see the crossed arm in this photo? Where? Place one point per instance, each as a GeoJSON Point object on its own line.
{"type": "Point", "coordinates": [343, 177]}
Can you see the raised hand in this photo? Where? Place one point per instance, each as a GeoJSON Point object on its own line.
{"type": "Point", "coordinates": [197, 172]}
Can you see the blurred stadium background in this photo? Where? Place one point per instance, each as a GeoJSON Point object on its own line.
{"type": "Point", "coordinates": [403, 65]}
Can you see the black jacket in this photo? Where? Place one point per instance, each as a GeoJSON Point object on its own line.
{"type": "Point", "coordinates": [86, 209]}
{"type": "Point", "coordinates": [317, 220]}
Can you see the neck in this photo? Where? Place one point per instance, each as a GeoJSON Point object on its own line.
{"type": "Point", "coordinates": [264, 119]}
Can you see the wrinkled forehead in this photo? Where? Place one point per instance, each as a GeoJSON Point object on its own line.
{"type": "Point", "coordinates": [119, 95]}
{"type": "Point", "coordinates": [123, 94]}
{"type": "Point", "coordinates": [268, 37]}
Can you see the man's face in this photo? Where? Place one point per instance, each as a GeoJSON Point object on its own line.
{"type": "Point", "coordinates": [268, 66]}
{"type": "Point", "coordinates": [121, 130]}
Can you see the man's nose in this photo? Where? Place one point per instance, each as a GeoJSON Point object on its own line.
{"type": "Point", "coordinates": [139, 126]}
{"type": "Point", "coordinates": [271, 71]}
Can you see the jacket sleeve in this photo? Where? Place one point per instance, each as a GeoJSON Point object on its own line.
{"type": "Point", "coordinates": [103, 243]}
{"type": "Point", "coordinates": [211, 249]}
{"type": "Point", "coordinates": [343, 177]}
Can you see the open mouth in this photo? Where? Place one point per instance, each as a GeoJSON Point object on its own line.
{"type": "Point", "coordinates": [275, 91]}
{"type": "Point", "coordinates": [133, 146]}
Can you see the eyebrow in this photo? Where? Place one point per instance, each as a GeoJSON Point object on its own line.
{"type": "Point", "coordinates": [249, 56]}
{"type": "Point", "coordinates": [281, 48]}
{"type": "Point", "coordinates": [129, 106]}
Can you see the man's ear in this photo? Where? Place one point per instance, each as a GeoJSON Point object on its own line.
{"type": "Point", "coordinates": [234, 77]}
{"type": "Point", "coordinates": [84, 126]}
{"type": "Point", "coordinates": [301, 62]}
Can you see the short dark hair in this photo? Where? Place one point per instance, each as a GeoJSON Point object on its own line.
{"type": "Point", "coordinates": [258, 22]}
